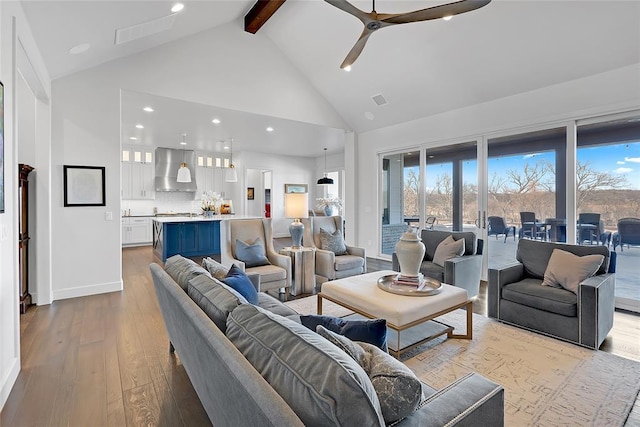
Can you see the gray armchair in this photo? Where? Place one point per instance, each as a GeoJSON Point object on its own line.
{"type": "Point", "coordinates": [463, 272]}
{"type": "Point", "coordinates": [516, 295]}
{"type": "Point", "coordinates": [274, 276]}
{"type": "Point", "coordinates": [330, 266]}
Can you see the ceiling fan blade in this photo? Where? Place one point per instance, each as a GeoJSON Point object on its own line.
{"type": "Point", "coordinates": [437, 12]}
{"type": "Point", "coordinates": [356, 50]}
{"type": "Point", "coordinates": [351, 9]}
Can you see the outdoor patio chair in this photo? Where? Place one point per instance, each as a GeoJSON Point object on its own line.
{"type": "Point", "coordinates": [530, 227]}
{"type": "Point", "coordinates": [628, 232]}
{"type": "Point", "coordinates": [428, 224]}
{"type": "Point", "coordinates": [498, 226]}
{"type": "Point", "coordinates": [590, 228]}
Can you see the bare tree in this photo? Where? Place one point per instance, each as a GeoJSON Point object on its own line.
{"type": "Point", "coordinates": [411, 200]}
{"type": "Point", "coordinates": [589, 180]}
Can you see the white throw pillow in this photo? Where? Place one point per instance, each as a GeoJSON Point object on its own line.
{"type": "Point", "coordinates": [569, 270]}
{"type": "Point", "coordinates": [447, 249]}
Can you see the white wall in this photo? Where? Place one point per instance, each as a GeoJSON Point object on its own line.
{"type": "Point", "coordinates": [609, 92]}
{"type": "Point", "coordinates": [16, 41]}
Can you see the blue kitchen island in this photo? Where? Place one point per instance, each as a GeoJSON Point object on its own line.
{"type": "Point", "coordinates": [187, 236]}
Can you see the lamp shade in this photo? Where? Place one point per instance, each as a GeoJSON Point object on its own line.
{"type": "Point", "coordinates": [231, 175]}
{"type": "Point", "coordinates": [184, 174]}
{"type": "Point", "coordinates": [296, 205]}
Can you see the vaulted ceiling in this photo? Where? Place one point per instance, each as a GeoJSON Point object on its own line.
{"type": "Point", "coordinates": [421, 69]}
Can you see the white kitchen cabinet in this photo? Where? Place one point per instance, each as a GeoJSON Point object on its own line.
{"type": "Point", "coordinates": [209, 179]}
{"type": "Point", "coordinates": [136, 231]}
{"type": "Point", "coordinates": [138, 174]}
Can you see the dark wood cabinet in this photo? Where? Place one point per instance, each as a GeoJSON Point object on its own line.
{"type": "Point", "coordinates": [23, 236]}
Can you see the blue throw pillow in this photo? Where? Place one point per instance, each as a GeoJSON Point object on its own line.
{"type": "Point", "coordinates": [373, 332]}
{"type": "Point", "coordinates": [252, 255]}
{"type": "Point", "coordinates": [241, 284]}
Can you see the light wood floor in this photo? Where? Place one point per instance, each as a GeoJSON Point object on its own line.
{"type": "Point", "coordinates": [104, 360]}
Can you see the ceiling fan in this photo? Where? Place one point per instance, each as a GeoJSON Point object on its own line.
{"type": "Point", "coordinates": [374, 21]}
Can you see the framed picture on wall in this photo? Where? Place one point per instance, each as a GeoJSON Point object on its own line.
{"type": "Point", "coordinates": [250, 193]}
{"type": "Point", "coordinates": [84, 185]}
{"type": "Point", "coordinates": [295, 188]}
{"type": "Point", "coordinates": [1, 148]}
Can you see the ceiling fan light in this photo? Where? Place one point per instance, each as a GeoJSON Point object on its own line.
{"type": "Point", "coordinates": [231, 175]}
{"type": "Point", "coordinates": [447, 18]}
{"type": "Point", "coordinates": [184, 174]}
{"type": "Point", "coordinates": [347, 68]}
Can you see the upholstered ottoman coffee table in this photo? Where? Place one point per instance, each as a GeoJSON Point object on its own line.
{"type": "Point", "coordinates": [403, 313]}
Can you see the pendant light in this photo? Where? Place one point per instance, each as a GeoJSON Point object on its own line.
{"type": "Point", "coordinates": [231, 175]}
{"type": "Point", "coordinates": [325, 180]}
{"type": "Point", "coordinates": [184, 174]}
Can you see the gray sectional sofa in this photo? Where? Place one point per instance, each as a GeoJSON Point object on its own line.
{"type": "Point", "coordinates": [305, 380]}
{"type": "Point", "coordinates": [462, 271]}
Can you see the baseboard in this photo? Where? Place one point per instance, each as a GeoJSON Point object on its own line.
{"type": "Point", "coordinates": [8, 381]}
{"type": "Point", "coordinates": [84, 291]}
{"type": "Point", "coordinates": [628, 304]}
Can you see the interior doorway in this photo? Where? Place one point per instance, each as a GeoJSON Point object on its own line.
{"type": "Point", "coordinates": [258, 192]}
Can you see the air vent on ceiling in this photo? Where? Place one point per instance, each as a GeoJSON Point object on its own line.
{"type": "Point", "coordinates": [124, 35]}
{"type": "Point", "coordinates": [379, 99]}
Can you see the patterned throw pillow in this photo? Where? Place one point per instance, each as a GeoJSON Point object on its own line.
{"type": "Point", "coordinates": [216, 269]}
{"type": "Point", "coordinates": [333, 242]}
{"type": "Point", "coordinates": [397, 387]}
{"type": "Point", "coordinates": [251, 254]}
{"type": "Point", "coordinates": [447, 249]}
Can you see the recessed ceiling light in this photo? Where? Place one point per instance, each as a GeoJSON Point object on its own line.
{"type": "Point", "coordinates": [270, 129]}
{"type": "Point", "coordinates": [215, 121]}
{"type": "Point", "coordinates": [177, 7]}
{"type": "Point", "coordinates": [140, 126]}
{"type": "Point", "coordinates": [133, 138]}
{"type": "Point", "coordinates": [81, 48]}
{"type": "Point", "coordinates": [347, 68]}
{"type": "Point", "coordinates": [447, 18]}
{"type": "Point", "coordinates": [226, 147]}
{"type": "Point", "coordinates": [183, 142]}
{"type": "Point", "coordinates": [148, 109]}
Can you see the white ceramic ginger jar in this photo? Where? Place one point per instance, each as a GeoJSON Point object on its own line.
{"type": "Point", "coordinates": [410, 252]}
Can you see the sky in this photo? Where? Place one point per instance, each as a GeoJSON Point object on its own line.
{"type": "Point", "coordinates": [616, 159]}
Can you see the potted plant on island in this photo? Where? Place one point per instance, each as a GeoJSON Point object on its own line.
{"type": "Point", "coordinates": [330, 205]}
{"type": "Point", "coordinates": [210, 202]}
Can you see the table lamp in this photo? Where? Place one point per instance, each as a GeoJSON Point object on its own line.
{"type": "Point", "coordinates": [296, 206]}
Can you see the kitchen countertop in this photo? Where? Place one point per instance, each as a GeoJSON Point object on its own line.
{"type": "Point", "coordinates": [200, 218]}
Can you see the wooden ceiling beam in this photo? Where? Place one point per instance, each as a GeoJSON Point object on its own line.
{"type": "Point", "coordinates": [260, 14]}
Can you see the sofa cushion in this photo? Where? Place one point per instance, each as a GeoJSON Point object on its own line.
{"type": "Point", "coordinates": [332, 241]}
{"type": "Point", "coordinates": [183, 269]}
{"type": "Point", "coordinates": [370, 331]}
{"type": "Point", "coordinates": [214, 268]}
{"type": "Point", "coordinates": [238, 280]}
{"type": "Point", "coordinates": [273, 305]}
{"type": "Point", "coordinates": [568, 270]}
{"type": "Point", "coordinates": [216, 299]}
{"type": "Point", "coordinates": [529, 292]}
{"type": "Point", "coordinates": [252, 254]}
{"type": "Point", "coordinates": [447, 249]}
{"type": "Point", "coordinates": [320, 382]}
{"type": "Point", "coordinates": [348, 262]}
{"type": "Point", "coordinates": [269, 273]}
{"type": "Point", "coordinates": [432, 270]}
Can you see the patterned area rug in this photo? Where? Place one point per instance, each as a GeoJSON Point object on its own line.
{"type": "Point", "coordinates": [547, 382]}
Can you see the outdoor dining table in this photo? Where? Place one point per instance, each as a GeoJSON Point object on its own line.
{"type": "Point", "coordinates": [534, 225]}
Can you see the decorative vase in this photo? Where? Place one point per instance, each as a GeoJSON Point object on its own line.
{"type": "Point", "coordinates": [410, 252]}
{"type": "Point", "coordinates": [208, 214]}
{"type": "Point", "coordinates": [329, 210]}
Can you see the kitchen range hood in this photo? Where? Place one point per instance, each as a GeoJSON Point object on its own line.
{"type": "Point", "coordinates": [168, 162]}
